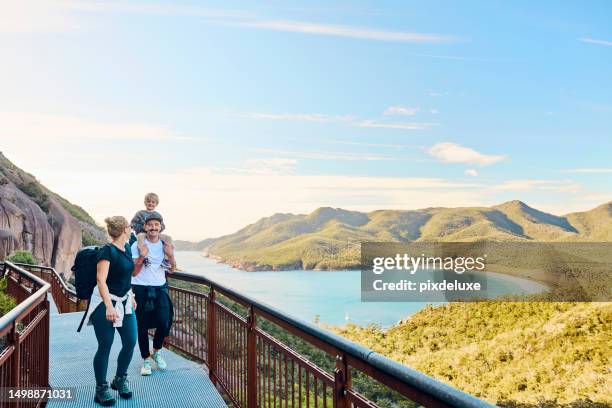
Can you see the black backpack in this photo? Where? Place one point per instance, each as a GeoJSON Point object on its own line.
{"type": "Point", "coordinates": [85, 271]}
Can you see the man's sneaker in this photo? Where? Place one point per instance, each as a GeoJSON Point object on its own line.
{"type": "Point", "coordinates": [121, 384]}
{"type": "Point", "coordinates": [161, 364]}
{"type": "Point", "coordinates": [146, 367]}
{"type": "Point", "coordinates": [103, 396]}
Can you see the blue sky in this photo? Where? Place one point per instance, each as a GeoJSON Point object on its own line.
{"type": "Point", "coordinates": [236, 110]}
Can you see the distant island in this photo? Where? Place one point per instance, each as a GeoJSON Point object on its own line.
{"type": "Point", "coordinates": [329, 238]}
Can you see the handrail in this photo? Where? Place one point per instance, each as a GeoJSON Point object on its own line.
{"type": "Point", "coordinates": [52, 271]}
{"type": "Point", "coordinates": [421, 382]}
{"type": "Point", "coordinates": [415, 385]}
{"type": "Point", "coordinates": [21, 308]}
{"type": "Point", "coordinates": [24, 358]}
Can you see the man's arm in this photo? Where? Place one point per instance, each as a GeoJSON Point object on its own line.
{"type": "Point", "coordinates": [138, 258]}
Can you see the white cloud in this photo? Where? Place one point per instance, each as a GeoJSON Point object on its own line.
{"type": "Point", "coordinates": [401, 110]}
{"type": "Point", "coordinates": [471, 172]}
{"type": "Point", "coordinates": [558, 186]}
{"type": "Point", "coordinates": [344, 31]}
{"type": "Point", "coordinates": [403, 126]}
{"type": "Point", "coordinates": [38, 126]}
{"type": "Point", "coordinates": [434, 111]}
{"type": "Point", "coordinates": [591, 170]}
{"type": "Point", "coordinates": [454, 153]}
{"type": "Point", "coordinates": [595, 41]}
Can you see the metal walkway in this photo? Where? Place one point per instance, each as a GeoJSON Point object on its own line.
{"type": "Point", "coordinates": [184, 384]}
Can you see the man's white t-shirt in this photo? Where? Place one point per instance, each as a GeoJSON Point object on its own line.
{"type": "Point", "coordinates": [154, 274]}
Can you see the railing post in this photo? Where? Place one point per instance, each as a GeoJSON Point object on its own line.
{"type": "Point", "coordinates": [212, 336]}
{"type": "Point", "coordinates": [251, 359]}
{"type": "Point", "coordinates": [342, 380]}
{"type": "Point", "coordinates": [16, 359]}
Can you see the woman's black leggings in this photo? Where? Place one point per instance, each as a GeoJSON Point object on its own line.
{"type": "Point", "coordinates": [105, 333]}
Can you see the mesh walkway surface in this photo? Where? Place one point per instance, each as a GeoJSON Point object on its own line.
{"type": "Point", "coordinates": [184, 384]}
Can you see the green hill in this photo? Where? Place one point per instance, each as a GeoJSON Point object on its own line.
{"type": "Point", "coordinates": [329, 238]}
{"type": "Point", "coordinates": [514, 354]}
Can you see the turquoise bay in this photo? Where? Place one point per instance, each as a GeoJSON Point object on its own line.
{"type": "Point", "coordinates": [332, 296]}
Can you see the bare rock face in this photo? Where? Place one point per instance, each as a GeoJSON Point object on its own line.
{"type": "Point", "coordinates": [67, 237]}
{"type": "Point", "coordinates": [26, 222]}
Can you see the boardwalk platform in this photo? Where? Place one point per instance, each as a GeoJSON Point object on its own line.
{"type": "Point", "coordinates": [184, 384]}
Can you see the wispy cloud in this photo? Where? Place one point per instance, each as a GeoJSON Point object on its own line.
{"type": "Point", "coordinates": [401, 110]}
{"type": "Point", "coordinates": [402, 126]}
{"type": "Point", "coordinates": [268, 166]}
{"type": "Point", "coordinates": [558, 186]}
{"type": "Point", "coordinates": [109, 6]}
{"type": "Point", "coordinates": [322, 155]}
{"type": "Point", "coordinates": [595, 41]}
{"type": "Point", "coordinates": [454, 153]}
{"type": "Point", "coordinates": [343, 31]}
{"type": "Point", "coordinates": [471, 173]}
{"type": "Point", "coordinates": [301, 117]}
{"type": "Point", "coordinates": [37, 126]}
{"type": "Point", "coordinates": [61, 15]}
{"type": "Point", "coordinates": [348, 119]}
{"type": "Point", "coordinates": [591, 170]}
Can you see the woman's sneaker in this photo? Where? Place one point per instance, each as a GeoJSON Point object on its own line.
{"type": "Point", "coordinates": [161, 363]}
{"type": "Point", "coordinates": [121, 384]}
{"type": "Point", "coordinates": [103, 396]}
{"type": "Point", "coordinates": [146, 367]}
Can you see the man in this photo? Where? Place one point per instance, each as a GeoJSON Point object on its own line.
{"type": "Point", "coordinates": [150, 288]}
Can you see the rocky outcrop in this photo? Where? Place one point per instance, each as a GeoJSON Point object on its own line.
{"type": "Point", "coordinates": [67, 237]}
{"type": "Point", "coordinates": [24, 225]}
{"type": "Point", "coordinates": [35, 219]}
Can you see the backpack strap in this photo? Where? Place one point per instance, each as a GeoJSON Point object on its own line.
{"type": "Point", "coordinates": [84, 314]}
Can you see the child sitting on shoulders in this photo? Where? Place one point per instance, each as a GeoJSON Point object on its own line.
{"type": "Point", "coordinates": [151, 201]}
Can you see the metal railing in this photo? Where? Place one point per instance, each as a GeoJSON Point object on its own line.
{"type": "Point", "coordinates": [24, 333]}
{"type": "Point", "coordinates": [229, 332]}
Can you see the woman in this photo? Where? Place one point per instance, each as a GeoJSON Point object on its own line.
{"type": "Point", "coordinates": [112, 306]}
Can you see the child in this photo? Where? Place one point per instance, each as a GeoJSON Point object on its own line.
{"type": "Point", "coordinates": [151, 201]}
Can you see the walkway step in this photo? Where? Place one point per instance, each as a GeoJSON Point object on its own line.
{"type": "Point", "coordinates": [184, 384]}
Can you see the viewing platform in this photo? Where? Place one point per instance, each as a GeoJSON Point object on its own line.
{"type": "Point", "coordinates": [182, 384]}
{"type": "Point", "coordinates": [224, 349]}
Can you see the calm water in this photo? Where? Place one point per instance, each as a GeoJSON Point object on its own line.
{"type": "Point", "coordinates": [333, 296]}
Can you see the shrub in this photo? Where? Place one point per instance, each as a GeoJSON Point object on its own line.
{"type": "Point", "coordinates": [88, 239]}
{"type": "Point", "coordinates": [6, 302]}
{"type": "Point", "coordinates": [25, 257]}
{"type": "Point", "coordinates": [36, 193]}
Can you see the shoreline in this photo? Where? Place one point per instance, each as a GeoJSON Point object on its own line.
{"type": "Point", "coordinates": [526, 283]}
